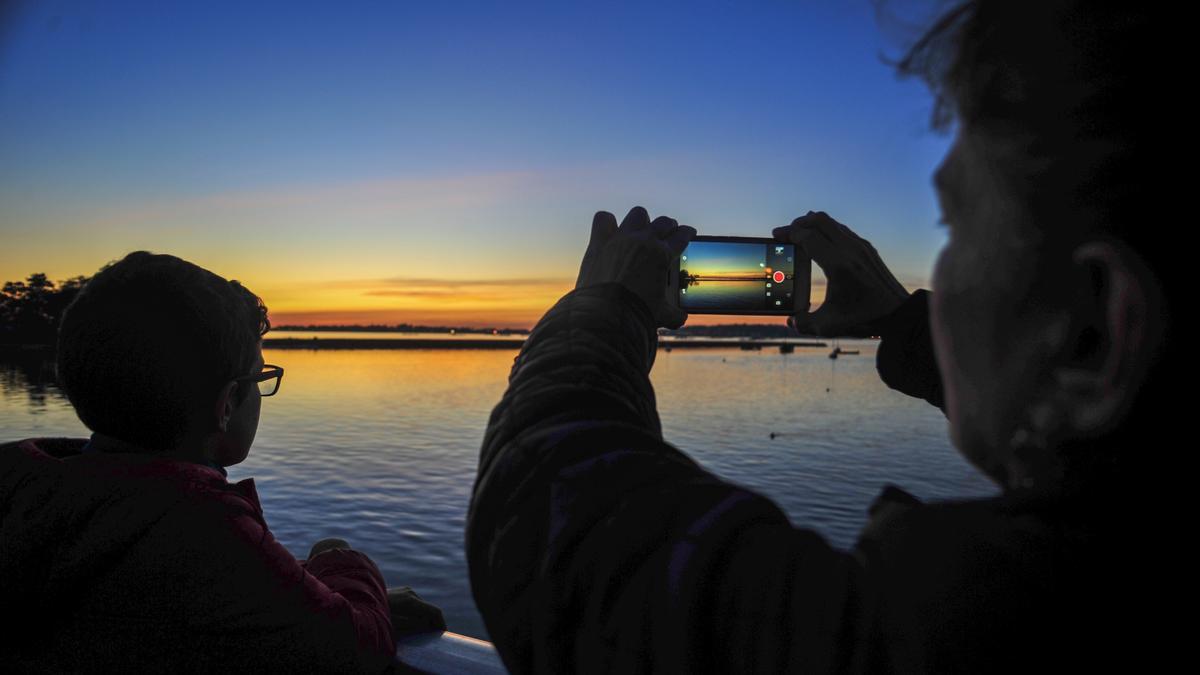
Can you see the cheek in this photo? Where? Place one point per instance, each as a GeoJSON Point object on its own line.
{"type": "Point", "coordinates": [252, 418]}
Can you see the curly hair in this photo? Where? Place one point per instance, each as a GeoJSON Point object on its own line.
{"type": "Point", "coordinates": [148, 343]}
{"type": "Point", "coordinates": [1065, 80]}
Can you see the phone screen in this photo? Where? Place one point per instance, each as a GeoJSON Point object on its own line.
{"type": "Point", "coordinates": [750, 276]}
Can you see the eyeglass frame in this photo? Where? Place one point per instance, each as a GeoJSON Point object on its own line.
{"type": "Point", "coordinates": [269, 371]}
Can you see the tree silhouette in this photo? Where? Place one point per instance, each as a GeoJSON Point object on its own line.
{"type": "Point", "coordinates": [30, 310]}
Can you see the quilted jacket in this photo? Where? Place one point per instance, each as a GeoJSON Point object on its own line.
{"type": "Point", "coordinates": [125, 562]}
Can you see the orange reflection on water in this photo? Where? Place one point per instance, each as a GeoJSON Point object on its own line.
{"type": "Point", "coordinates": [385, 378]}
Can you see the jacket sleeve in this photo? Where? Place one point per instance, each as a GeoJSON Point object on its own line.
{"type": "Point", "coordinates": [257, 606]}
{"type": "Point", "coordinates": [905, 359]}
{"type": "Point", "coordinates": [595, 546]}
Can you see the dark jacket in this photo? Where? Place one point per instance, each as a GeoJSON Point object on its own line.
{"type": "Point", "coordinates": [118, 562]}
{"type": "Point", "coordinates": [595, 546]}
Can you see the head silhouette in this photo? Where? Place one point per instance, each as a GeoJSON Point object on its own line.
{"type": "Point", "coordinates": [149, 352]}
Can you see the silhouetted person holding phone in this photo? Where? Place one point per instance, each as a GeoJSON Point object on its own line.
{"type": "Point", "coordinates": [130, 551]}
{"type": "Point", "coordinates": [595, 546]}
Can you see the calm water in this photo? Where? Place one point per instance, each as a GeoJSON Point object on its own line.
{"type": "Point", "coordinates": [380, 447]}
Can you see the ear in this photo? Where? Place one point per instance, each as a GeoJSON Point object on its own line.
{"type": "Point", "coordinates": [226, 404]}
{"type": "Point", "coordinates": [1111, 346]}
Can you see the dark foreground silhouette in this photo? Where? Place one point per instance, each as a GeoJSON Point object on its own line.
{"type": "Point", "coordinates": [130, 551]}
{"type": "Point", "coordinates": [596, 546]}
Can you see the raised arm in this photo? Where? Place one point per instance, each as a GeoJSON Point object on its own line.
{"type": "Point", "coordinates": [593, 545]}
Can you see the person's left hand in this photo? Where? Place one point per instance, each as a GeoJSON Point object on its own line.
{"type": "Point", "coordinates": [637, 254]}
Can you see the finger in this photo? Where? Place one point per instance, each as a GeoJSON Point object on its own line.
{"type": "Point", "coordinates": [839, 233]}
{"type": "Point", "coordinates": [636, 220]}
{"type": "Point", "coordinates": [847, 251]}
{"type": "Point", "coordinates": [788, 232]}
{"type": "Point", "coordinates": [821, 222]}
{"type": "Point", "coordinates": [604, 226]}
{"type": "Point", "coordinates": [814, 221]}
{"type": "Point", "coordinates": [822, 323]}
{"type": "Point", "coordinates": [822, 251]}
{"type": "Point", "coordinates": [663, 226]}
{"type": "Point", "coordinates": [679, 239]}
{"type": "Point", "coordinates": [802, 324]}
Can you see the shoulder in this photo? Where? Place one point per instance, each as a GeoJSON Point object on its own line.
{"type": "Point", "coordinates": [31, 469]}
{"type": "Point", "coordinates": [933, 551]}
{"type": "Point", "coordinates": [37, 454]}
{"type": "Point", "coordinates": [961, 584]}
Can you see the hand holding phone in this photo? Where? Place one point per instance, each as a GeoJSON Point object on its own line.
{"type": "Point", "coordinates": [861, 291]}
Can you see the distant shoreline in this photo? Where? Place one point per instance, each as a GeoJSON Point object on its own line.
{"type": "Point", "coordinates": [316, 343]}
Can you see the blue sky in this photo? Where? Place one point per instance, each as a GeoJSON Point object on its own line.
{"type": "Point", "coordinates": [337, 155]}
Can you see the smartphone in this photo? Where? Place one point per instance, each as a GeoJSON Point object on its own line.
{"type": "Point", "coordinates": [740, 275]}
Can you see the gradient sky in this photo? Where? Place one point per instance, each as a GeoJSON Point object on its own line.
{"type": "Point", "coordinates": [440, 162]}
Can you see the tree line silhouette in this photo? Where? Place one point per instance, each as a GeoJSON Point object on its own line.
{"type": "Point", "coordinates": [30, 310]}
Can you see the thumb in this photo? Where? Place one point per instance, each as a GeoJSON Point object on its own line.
{"type": "Point", "coordinates": [811, 323]}
{"type": "Point", "coordinates": [671, 317]}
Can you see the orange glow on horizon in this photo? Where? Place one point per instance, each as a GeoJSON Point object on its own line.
{"type": "Point", "coordinates": [483, 304]}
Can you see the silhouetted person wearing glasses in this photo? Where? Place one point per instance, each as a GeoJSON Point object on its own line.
{"type": "Point", "coordinates": [130, 551]}
{"type": "Point", "coordinates": [595, 546]}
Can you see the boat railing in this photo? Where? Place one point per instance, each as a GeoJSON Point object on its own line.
{"type": "Point", "coordinates": [449, 653]}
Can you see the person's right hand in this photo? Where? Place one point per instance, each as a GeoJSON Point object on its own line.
{"type": "Point", "coordinates": [861, 288]}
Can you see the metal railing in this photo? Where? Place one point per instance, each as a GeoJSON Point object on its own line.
{"type": "Point", "coordinates": [449, 653]}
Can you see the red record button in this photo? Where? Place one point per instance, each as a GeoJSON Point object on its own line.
{"type": "Point", "coordinates": [778, 277]}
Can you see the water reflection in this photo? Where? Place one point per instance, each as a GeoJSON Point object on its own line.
{"type": "Point", "coordinates": [28, 374]}
{"type": "Point", "coordinates": [381, 447]}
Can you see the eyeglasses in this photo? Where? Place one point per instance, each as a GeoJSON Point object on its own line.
{"type": "Point", "coordinates": [268, 380]}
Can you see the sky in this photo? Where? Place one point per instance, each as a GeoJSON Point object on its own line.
{"type": "Point", "coordinates": [439, 163]}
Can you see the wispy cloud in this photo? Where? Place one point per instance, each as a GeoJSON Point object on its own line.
{"type": "Point", "coordinates": [400, 193]}
{"type": "Point", "coordinates": [385, 285]}
{"type": "Point", "coordinates": [480, 291]}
